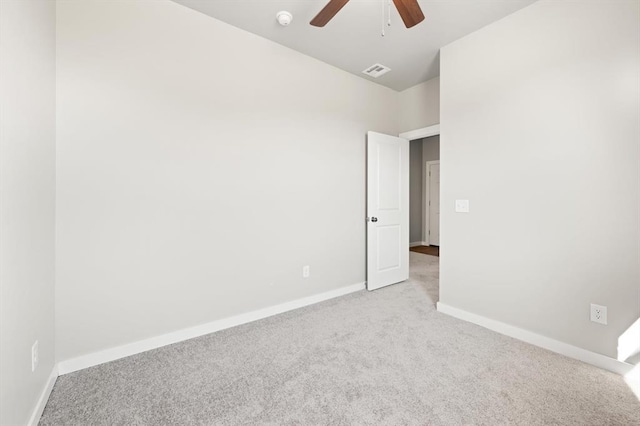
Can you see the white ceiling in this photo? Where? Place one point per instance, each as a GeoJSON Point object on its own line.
{"type": "Point", "coordinates": [352, 40]}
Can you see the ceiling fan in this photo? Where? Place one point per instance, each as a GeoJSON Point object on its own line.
{"type": "Point", "coordinates": [409, 11]}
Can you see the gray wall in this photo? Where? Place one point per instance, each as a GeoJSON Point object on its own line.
{"type": "Point", "coordinates": [422, 150]}
{"type": "Point", "coordinates": [540, 132]}
{"type": "Point", "coordinates": [185, 157]}
{"type": "Point", "coordinates": [431, 149]}
{"type": "Point", "coordinates": [415, 191]}
{"type": "Point", "coordinates": [27, 203]}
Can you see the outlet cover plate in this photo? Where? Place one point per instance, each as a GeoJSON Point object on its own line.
{"type": "Point", "coordinates": [599, 314]}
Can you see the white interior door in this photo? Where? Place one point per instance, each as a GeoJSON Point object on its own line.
{"type": "Point", "coordinates": [434, 204]}
{"type": "Point", "coordinates": [387, 210]}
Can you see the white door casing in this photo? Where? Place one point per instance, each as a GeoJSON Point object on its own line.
{"type": "Point", "coordinates": [433, 202]}
{"type": "Point", "coordinates": [387, 210]}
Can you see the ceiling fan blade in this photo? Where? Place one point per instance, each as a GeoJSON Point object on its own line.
{"type": "Point", "coordinates": [409, 11]}
{"type": "Point", "coordinates": [328, 12]}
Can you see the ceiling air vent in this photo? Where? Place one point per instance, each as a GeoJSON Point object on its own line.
{"type": "Point", "coordinates": [376, 70]}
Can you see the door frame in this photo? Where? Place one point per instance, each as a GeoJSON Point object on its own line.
{"type": "Point", "coordinates": [424, 132]}
{"type": "Point", "coordinates": [427, 212]}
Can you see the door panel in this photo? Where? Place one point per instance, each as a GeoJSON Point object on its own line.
{"type": "Point", "coordinates": [389, 238]}
{"type": "Point", "coordinates": [387, 210]}
{"type": "Point", "coordinates": [389, 158]}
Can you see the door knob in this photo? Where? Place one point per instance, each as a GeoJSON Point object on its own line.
{"type": "Point", "coordinates": [374, 219]}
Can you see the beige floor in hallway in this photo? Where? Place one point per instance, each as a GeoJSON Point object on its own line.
{"type": "Point", "coordinates": [379, 358]}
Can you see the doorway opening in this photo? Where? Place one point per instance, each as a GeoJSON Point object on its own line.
{"type": "Point", "coordinates": [391, 180]}
{"type": "Point", "coordinates": [424, 210]}
{"type": "Point", "coordinates": [424, 195]}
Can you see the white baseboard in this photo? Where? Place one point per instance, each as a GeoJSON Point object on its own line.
{"type": "Point", "coordinates": [553, 345]}
{"type": "Point", "coordinates": [112, 354]}
{"type": "Point", "coordinates": [418, 243]}
{"type": "Point", "coordinates": [44, 397]}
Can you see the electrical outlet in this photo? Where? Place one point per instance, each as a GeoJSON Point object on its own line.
{"type": "Point", "coordinates": [35, 358]}
{"type": "Point", "coordinates": [599, 314]}
{"type": "Point", "coordinates": [305, 271]}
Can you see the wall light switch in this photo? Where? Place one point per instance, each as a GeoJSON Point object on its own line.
{"type": "Point", "coordinates": [462, 206]}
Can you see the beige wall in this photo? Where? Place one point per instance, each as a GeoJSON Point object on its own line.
{"type": "Point", "coordinates": [27, 188]}
{"type": "Point", "coordinates": [419, 106]}
{"type": "Point", "coordinates": [540, 132]}
{"type": "Point", "coordinates": [200, 168]}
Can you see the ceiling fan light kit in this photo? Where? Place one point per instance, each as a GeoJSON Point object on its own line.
{"type": "Point", "coordinates": [409, 11]}
{"type": "Point", "coordinates": [284, 18]}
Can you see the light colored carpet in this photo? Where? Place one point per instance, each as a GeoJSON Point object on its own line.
{"type": "Point", "coordinates": [380, 358]}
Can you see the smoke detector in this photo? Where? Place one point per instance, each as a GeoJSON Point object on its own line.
{"type": "Point", "coordinates": [376, 70]}
{"type": "Point", "coordinates": [284, 18]}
